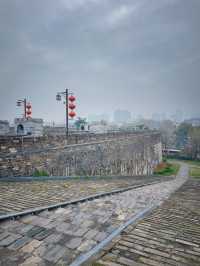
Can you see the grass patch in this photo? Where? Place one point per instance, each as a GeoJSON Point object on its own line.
{"type": "Point", "coordinates": [190, 162]}
{"type": "Point", "coordinates": [38, 173]}
{"type": "Point", "coordinates": [167, 169]}
{"type": "Point", "coordinates": [96, 264]}
{"type": "Point", "coordinates": [195, 172]}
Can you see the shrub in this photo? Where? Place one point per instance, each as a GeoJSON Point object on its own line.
{"type": "Point", "coordinates": [40, 173]}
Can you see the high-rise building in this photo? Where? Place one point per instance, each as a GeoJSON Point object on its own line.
{"type": "Point", "coordinates": [122, 116]}
{"type": "Point", "coordinates": [98, 117]}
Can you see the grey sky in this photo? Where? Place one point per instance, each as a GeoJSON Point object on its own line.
{"type": "Point", "coordinates": [140, 55]}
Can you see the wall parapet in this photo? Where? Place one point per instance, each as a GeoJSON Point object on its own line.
{"type": "Point", "coordinates": [119, 154]}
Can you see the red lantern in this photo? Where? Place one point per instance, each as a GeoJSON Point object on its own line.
{"type": "Point", "coordinates": [72, 114]}
{"type": "Point", "coordinates": [72, 106]}
{"type": "Point", "coordinates": [28, 113]}
{"type": "Point", "coordinates": [28, 110]}
{"type": "Point", "coordinates": [72, 98]}
{"type": "Point", "coordinates": [28, 106]}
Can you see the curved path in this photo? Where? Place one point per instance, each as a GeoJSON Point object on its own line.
{"type": "Point", "coordinates": [22, 193]}
{"type": "Point", "coordinates": [59, 237]}
{"type": "Point", "coordinates": [169, 235]}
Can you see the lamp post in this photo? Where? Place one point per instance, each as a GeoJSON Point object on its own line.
{"type": "Point", "coordinates": [20, 102]}
{"type": "Point", "coordinates": [66, 96]}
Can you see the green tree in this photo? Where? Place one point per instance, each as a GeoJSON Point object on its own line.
{"type": "Point", "coordinates": [182, 134]}
{"type": "Point", "coordinates": [194, 142]}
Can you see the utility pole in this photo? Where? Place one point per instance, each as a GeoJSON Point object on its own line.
{"type": "Point", "coordinates": [67, 115]}
{"type": "Point", "coordinates": [67, 98]}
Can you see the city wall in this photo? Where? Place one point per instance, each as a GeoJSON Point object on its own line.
{"type": "Point", "coordinates": [124, 154]}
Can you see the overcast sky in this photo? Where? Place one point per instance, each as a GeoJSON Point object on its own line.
{"type": "Point", "coordinates": [140, 55]}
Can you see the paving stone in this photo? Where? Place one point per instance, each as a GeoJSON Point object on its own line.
{"type": "Point", "coordinates": [11, 257]}
{"type": "Point", "coordinates": [22, 230]}
{"type": "Point", "coordinates": [80, 232]}
{"type": "Point", "coordinates": [91, 234]}
{"type": "Point", "coordinates": [66, 258]}
{"type": "Point", "coordinates": [3, 235]}
{"type": "Point", "coordinates": [74, 243]}
{"type": "Point", "coordinates": [40, 221]}
{"type": "Point", "coordinates": [34, 231]}
{"type": "Point", "coordinates": [5, 242]}
{"type": "Point", "coordinates": [87, 223]}
{"type": "Point", "coordinates": [32, 261]}
{"type": "Point", "coordinates": [43, 234]}
{"type": "Point", "coordinates": [110, 229]}
{"type": "Point", "coordinates": [55, 253]}
{"type": "Point", "coordinates": [6, 225]}
{"type": "Point", "coordinates": [87, 245]}
{"type": "Point", "coordinates": [63, 227]}
{"type": "Point", "coordinates": [53, 238]}
{"type": "Point", "coordinates": [20, 243]}
{"type": "Point", "coordinates": [100, 236]}
{"type": "Point", "coordinates": [52, 224]}
{"type": "Point", "coordinates": [28, 219]}
{"type": "Point", "coordinates": [62, 211]}
{"type": "Point", "coordinates": [42, 249]}
{"type": "Point", "coordinates": [31, 246]}
{"type": "Point", "coordinates": [64, 239]}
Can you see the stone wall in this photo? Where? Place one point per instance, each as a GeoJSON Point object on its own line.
{"type": "Point", "coordinates": [122, 154]}
{"type": "Point", "coordinates": [4, 127]}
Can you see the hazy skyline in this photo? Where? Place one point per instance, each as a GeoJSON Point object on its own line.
{"type": "Point", "coordinates": [139, 55]}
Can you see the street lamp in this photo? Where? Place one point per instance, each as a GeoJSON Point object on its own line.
{"type": "Point", "coordinates": [67, 98]}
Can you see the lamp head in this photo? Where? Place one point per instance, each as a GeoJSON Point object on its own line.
{"type": "Point", "coordinates": [58, 97]}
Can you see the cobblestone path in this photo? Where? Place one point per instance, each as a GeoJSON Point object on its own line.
{"type": "Point", "coordinates": [170, 235]}
{"type": "Point", "coordinates": [59, 237]}
{"type": "Point", "coordinates": [19, 196]}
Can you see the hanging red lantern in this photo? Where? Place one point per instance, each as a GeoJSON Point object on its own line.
{"type": "Point", "coordinates": [72, 114]}
{"type": "Point", "coordinates": [28, 106]}
{"type": "Point", "coordinates": [28, 113]}
{"type": "Point", "coordinates": [28, 110]}
{"type": "Point", "coordinates": [72, 98]}
{"type": "Point", "coordinates": [72, 106]}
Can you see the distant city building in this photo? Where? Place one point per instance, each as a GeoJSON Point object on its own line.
{"type": "Point", "coordinates": [122, 116]}
{"type": "Point", "coordinates": [98, 117]}
{"type": "Point", "coordinates": [195, 122]}
{"type": "Point", "coordinates": [156, 117]}
{"type": "Point", "coordinates": [178, 116]}
{"type": "Point", "coordinates": [133, 126]}
{"type": "Point", "coordinates": [4, 127]}
{"type": "Point", "coordinates": [102, 127]}
{"type": "Point", "coordinates": [30, 126]}
{"type": "Point", "coordinates": [159, 117]}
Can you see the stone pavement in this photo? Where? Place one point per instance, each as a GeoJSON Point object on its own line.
{"type": "Point", "coordinates": [59, 237]}
{"type": "Point", "coordinates": [170, 235]}
{"type": "Point", "coordinates": [19, 196]}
